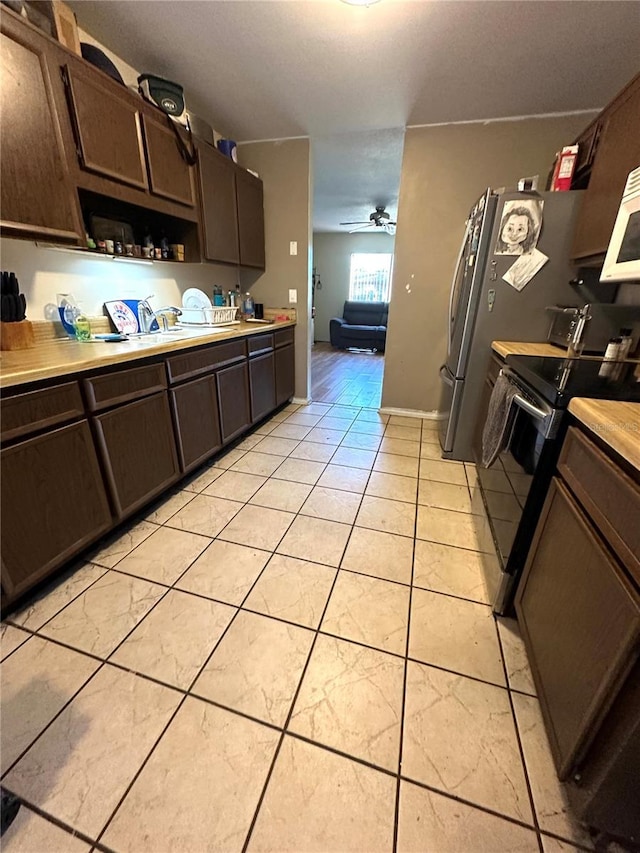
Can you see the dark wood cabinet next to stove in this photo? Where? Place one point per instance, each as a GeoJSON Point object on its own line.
{"type": "Point", "coordinates": [578, 605]}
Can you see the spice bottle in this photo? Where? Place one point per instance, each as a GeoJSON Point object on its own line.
{"type": "Point", "coordinates": [626, 342]}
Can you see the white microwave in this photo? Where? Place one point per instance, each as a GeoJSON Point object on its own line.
{"type": "Point", "coordinates": [622, 262]}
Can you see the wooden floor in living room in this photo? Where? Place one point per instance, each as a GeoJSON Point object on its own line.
{"type": "Point", "coordinates": [346, 377]}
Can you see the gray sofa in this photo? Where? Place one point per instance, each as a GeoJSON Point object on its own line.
{"type": "Point", "coordinates": [362, 325]}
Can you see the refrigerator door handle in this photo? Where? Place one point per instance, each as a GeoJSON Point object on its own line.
{"type": "Point", "coordinates": [453, 282]}
{"type": "Point", "coordinates": [444, 376]}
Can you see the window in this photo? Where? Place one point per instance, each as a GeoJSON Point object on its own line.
{"type": "Point", "coordinates": [370, 277]}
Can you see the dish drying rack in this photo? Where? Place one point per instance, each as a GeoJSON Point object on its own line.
{"type": "Point", "coordinates": [218, 316]}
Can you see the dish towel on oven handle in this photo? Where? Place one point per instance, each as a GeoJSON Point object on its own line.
{"type": "Point", "coordinates": [499, 423]}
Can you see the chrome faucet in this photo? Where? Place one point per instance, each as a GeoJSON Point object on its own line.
{"type": "Point", "coordinates": [146, 315]}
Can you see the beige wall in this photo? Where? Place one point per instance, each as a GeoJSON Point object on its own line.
{"type": "Point", "coordinates": [285, 168]}
{"type": "Point", "coordinates": [332, 261]}
{"type": "Point", "coordinates": [444, 170]}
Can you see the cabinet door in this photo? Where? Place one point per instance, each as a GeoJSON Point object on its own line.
{"type": "Point", "coordinates": [233, 395]}
{"type": "Point", "coordinates": [250, 219]}
{"type": "Point", "coordinates": [617, 153]}
{"type": "Point", "coordinates": [53, 504]}
{"type": "Point", "coordinates": [107, 127]}
{"type": "Point", "coordinates": [285, 374]}
{"type": "Point", "coordinates": [169, 175]}
{"type": "Point", "coordinates": [581, 622]}
{"type": "Point", "coordinates": [262, 382]}
{"type": "Point", "coordinates": [195, 411]}
{"type": "Point", "coordinates": [138, 451]}
{"type": "Point", "coordinates": [37, 196]}
{"type": "Point", "coordinates": [219, 208]}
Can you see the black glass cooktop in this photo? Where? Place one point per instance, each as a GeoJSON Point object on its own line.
{"type": "Point", "coordinates": [560, 379]}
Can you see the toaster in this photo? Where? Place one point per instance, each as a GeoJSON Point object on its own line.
{"type": "Point", "coordinates": [606, 322]}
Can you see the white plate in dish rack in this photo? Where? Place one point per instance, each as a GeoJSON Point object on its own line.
{"type": "Point", "coordinates": [194, 298]}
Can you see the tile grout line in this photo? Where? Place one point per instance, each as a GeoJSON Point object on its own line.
{"type": "Point", "coordinates": [403, 706]}
{"type": "Point", "coordinates": [187, 694]}
{"type": "Point", "coordinates": [238, 608]}
{"type": "Point", "coordinates": [292, 706]}
{"type": "Point", "coordinates": [516, 727]}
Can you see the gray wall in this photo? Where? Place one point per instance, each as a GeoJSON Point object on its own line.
{"type": "Point", "coordinates": [444, 169]}
{"type": "Point", "coordinates": [285, 168]}
{"type": "Point", "coordinates": [332, 259]}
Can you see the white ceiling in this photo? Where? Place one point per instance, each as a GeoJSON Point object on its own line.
{"type": "Point", "coordinates": [352, 78]}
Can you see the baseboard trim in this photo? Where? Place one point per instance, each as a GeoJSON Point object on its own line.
{"type": "Point", "coordinates": [412, 413]}
{"type": "Point", "coordinates": [301, 401]}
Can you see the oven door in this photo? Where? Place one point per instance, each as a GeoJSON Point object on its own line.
{"type": "Point", "coordinates": [514, 486]}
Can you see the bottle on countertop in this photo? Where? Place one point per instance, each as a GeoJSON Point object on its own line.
{"type": "Point", "coordinates": [247, 306]}
{"type": "Point", "coordinates": [218, 296]}
{"type": "Point", "coordinates": [231, 299]}
{"type": "Point", "coordinates": [611, 355]}
{"type": "Point", "coordinates": [82, 327]}
{"type": "Point", "coordinates": [626, 342]}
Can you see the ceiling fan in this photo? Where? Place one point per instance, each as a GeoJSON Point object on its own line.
{"type": "Point", "coordinates": [378, 219]}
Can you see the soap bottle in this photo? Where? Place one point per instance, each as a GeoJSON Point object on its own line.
{"type": "Point", "coordinates": [218, 296]}
{"type": "Point", "coordinates": [247, 308]}
{"type": "Point", "coordinates": [82, 327]}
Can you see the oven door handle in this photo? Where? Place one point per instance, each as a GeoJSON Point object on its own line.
{"type": "Point", "coordinates": [531, 409]}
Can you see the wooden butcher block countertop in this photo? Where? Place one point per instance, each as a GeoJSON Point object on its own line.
{"type": "Point", "coordinates": [64, 356]}
{"type": "Point", "coordinates": [617, 424]}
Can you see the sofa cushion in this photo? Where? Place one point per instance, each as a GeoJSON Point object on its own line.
{"type": "Point", "coordinates": [358, 333]}
{"type": "Point", "coordinates": [365, 313]}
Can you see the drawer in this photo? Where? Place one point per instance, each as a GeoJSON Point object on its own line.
{"type": "Point", "coordinates": [608, 494]}
{"type": "Point", "coordinates": [283, 336]}
{"type": "Point", "coordinates": [124, 385]}
{"type": "Point", "coordinates": [205, 360]}
{"type": "Point", "coordinates": [27, 413]}
{"type": "Point", "coordinates": [260, 343]}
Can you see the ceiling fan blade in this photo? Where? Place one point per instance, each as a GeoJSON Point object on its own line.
{"type": "Point", "coordinates": [359, 222]}
{"type": "Point", "coordinates": [361, 228]}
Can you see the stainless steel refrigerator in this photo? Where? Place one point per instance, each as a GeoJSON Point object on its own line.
{"type": "Point", "coordinates": [483, 307]}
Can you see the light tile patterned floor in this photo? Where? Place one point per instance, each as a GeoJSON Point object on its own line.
{"type": "Point", "coordinates": [294, 651]}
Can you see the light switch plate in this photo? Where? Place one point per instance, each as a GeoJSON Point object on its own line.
{"type": "Point", "coordinates": [293, 247]}
{"type": "Point", "coordinates": [293, 296]}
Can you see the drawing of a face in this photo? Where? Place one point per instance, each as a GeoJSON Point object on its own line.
{"type": "Point", "coordinates": [515, 230]}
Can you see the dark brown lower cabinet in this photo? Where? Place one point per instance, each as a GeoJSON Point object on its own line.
{"type": "Point", "coordinates": [581, 620]}
{"type": "Point", "coordinates": [196, 418]}
{"type": "Point", "coordinates": [262, 384]}
{"type": "Point", "coordinates": [53, 504]}
{"type": "Point", "coordinates": [233, 397]}
{"type": "Point", "coordinates": [138, 451]}
{"type": "Point", "coordinates": [285, 373]}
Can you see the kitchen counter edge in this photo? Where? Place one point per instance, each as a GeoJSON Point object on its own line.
{"type": "Point", "coordinates": [63, 356]}
{"type": "Point", "coordinates": [617, 424]}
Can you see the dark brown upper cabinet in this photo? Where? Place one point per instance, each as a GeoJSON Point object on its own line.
{"type": "Point", "coordinates": [249, 195]}
{"type": "Point", "coordinates": [107, 128]}
{"type": "Point", "coordinates": [38, 198]}
{"type": "Point", "coordinates": [219, 209]}
{"type": "Point", "coordinates": [611, 148]}
{"type": "Point", "coordinates": [169, 174]}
